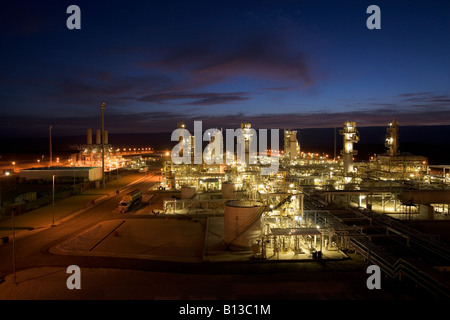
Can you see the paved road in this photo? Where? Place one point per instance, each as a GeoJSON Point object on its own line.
{"type": "Point", "coordinates": [32, 250]}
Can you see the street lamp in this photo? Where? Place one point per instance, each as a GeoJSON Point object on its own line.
{"type": "Point", "coordinates": [13, 244]}
{"type": "Point", "coordinates": [53, 201]}
{"type": "Point", "coordinates": [102, 108]}
{"type": "Point", "coordinates": [0, 199]}
{"type": "Point", "coordinates": [14, 164]}
{"type": "Point", "coordinates": [50, 142]}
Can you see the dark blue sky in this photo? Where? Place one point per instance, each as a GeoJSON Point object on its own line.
{"type": "Point", "coordinates": [276, 64]}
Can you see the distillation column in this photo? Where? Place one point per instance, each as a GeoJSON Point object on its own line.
{"type": "Point", "coordinates": [291, 146]}
{"type": "Point", "coordinates": [350, 136]}
{"type": "Point", "coordinates": [181, 125]}
{"type": "Point", "coordinates": [392, 140]}
{"type": "Point", "coordinates": [248, 140]}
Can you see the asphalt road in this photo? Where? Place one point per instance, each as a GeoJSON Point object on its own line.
{"type": "Point", "coordinates": [32, 250]}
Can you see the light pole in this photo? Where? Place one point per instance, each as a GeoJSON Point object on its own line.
{"type": "Point", "coordinates": [53, 201]}
{"type": "Point", "coordinates": [13, 244]}
{"type": "Point", "coordinates": [103, 144]}
{"type": "Point", "coordinates": [0, 199]}
{"type": "Point", "coordinates": [50, 140]}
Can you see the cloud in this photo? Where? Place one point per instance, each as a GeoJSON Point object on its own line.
{"type": "Point", "coordinates": [89, 87]}
{"type": "Point", "coordinates": [198, 99]}
{"type": "Point", "coordinates": [217, 99]}
{"type": "Point", "coordinates": [157, 89]}
{"type": "Point", "coordinates": [184, 75]}
{"type": "Point", "coordinates": [407, 104]}
{"type": "Point", "coordinates": [117, 121]}
{"type": "Point", "coordinates": [422, 98]}
{"type": "Point", "coordinates": [250, 56]}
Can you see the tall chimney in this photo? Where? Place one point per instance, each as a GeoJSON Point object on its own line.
{"type": "Point", "coordinates": [98, 137]}
{"type": "Point", "coordinates": [105, 137]}
{"type": "Point", "coordinates": [89, 136]}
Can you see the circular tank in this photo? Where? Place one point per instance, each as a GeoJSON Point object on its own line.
{"type": "Point", "coordinates": [242, 222]}
{"type": "Point", "coordinates": [227, 190]}
{"type": "Point", "coordinates": [187, 192]}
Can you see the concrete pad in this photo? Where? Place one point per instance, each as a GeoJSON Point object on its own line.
{"type": "Point", "coordinates": [89, 239]}
{"type": "Point", "coordinates": [157, 239]}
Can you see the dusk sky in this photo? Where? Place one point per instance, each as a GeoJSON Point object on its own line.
{"type": "Point", "coordinates": [275, 64]}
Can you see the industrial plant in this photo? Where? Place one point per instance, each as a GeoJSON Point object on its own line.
{"type": "Point", "coordinates": [272, 205]}
{"type": "Point", "coordinates": [320, 207]}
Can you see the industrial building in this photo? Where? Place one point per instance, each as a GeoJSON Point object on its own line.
{"type": "Point", "coordinates": [47, 173]}
{"type": "Point", "coordinates": [378, 184]}
{"type": "Point", "coordinates": [315, 207]}
{"type": "Point", "coordinates": [91, 153]}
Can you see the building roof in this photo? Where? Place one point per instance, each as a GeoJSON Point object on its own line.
{"type": "Point", "coordinates": [58, 169]}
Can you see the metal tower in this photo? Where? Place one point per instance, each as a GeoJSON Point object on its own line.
{"type": "Point", "coordinates": [392, 141]}
{"type": "Point", "coordinates": [350, 135]}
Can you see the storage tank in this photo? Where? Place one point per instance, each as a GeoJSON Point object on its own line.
{"type": "Point", "coordinates": [187, 192]}
{"type": "Point", "coordinates": [105, 136]}
{"type": "Point", "coordinates": [227, 190]}
{"type": "Point", "coordinates": [242, 223]}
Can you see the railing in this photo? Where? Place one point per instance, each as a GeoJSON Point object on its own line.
{"type": "Point", "coordinates": [418, 272]}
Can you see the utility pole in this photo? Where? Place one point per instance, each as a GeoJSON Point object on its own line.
{"type": "Point", "coordinates": [50, 138]}
{"type": "Point", "coordinates": [103, 144]}
{"type": "Point", "coordinates": [334, 158]}
{"type": "Point", "coordinates": [13, 209]}
{"type": "Point", "coordinates": [53, 202]}
{"type": "Point", "coordinates": [0, 199]}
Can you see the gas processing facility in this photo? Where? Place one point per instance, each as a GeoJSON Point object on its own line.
{"type": "Point", "coordinates": [317, 207]}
